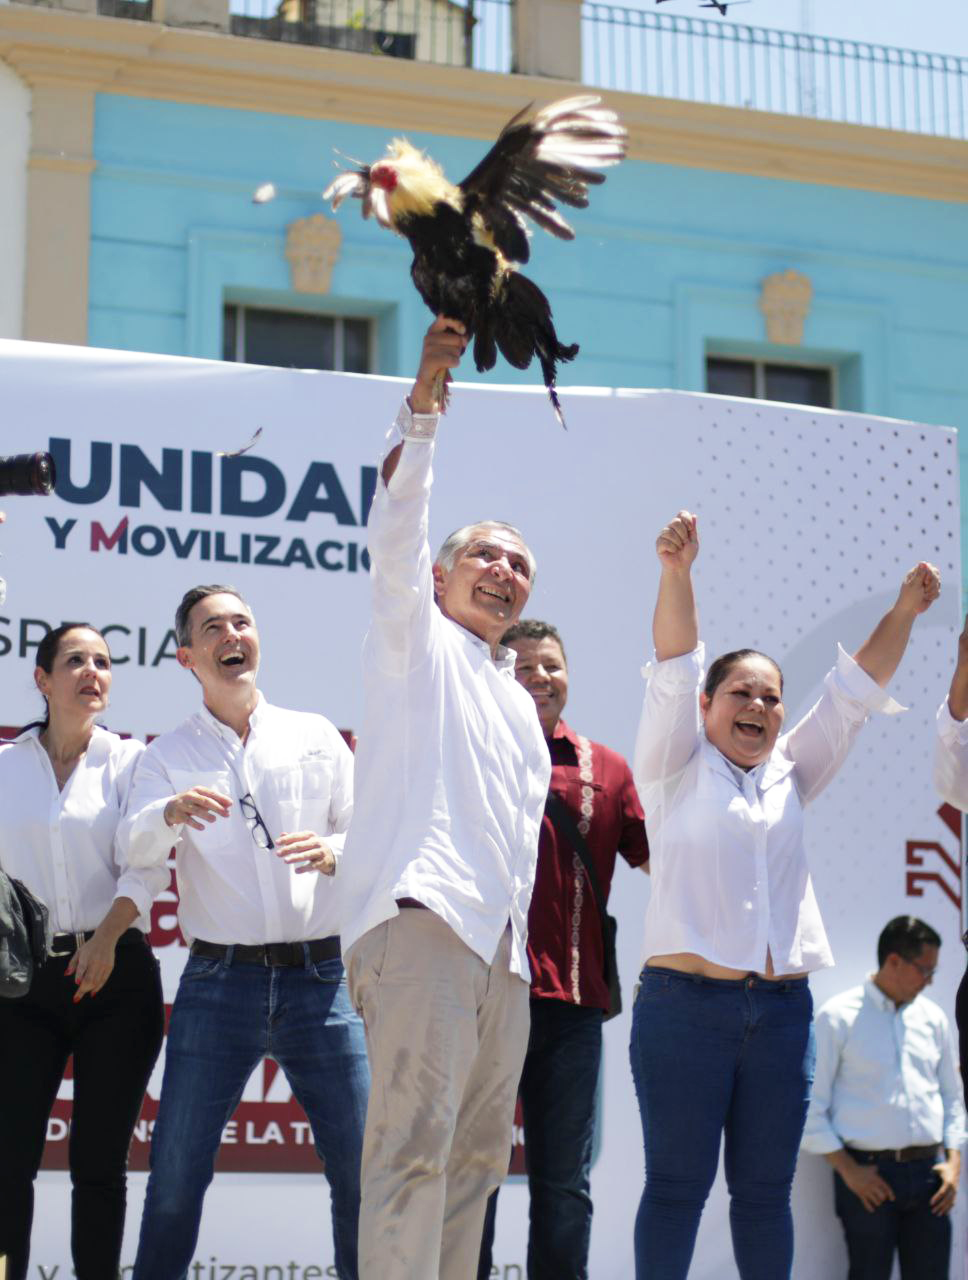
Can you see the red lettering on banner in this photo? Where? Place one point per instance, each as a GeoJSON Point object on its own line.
{"type": "Point", "coordinates": [947, 876]}
{"type": "Point", "coordinates": [108, 541]}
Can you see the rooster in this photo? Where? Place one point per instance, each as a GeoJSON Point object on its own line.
{"type": "Point", "coordinates": [466, 239]}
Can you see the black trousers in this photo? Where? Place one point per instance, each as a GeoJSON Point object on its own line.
{"type": "Point", "coordinates": [115, 1038]}
{"type": "Point", "coordinates": [961, 1017]}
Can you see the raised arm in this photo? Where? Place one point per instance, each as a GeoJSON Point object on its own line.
{"type": "Point", "coordinates": [854, 689]}
{"type": "Point", "coordinates": [675, 624]}
{"type": "Point", "coordinates": [882, 651]}
{"type": "Point", "coordinates": [669, 728]}
{"type": "Point", "coordinates": [443, 346]}
{"type": "Point", "coordinates": [951, 749]}
{"type": "Point", "coordinates": [401, 579]}
{"type": "Point", "coordinates": [958, 692]}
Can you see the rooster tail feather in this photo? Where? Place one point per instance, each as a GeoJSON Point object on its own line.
{"type": "Point", "coordinates": [524, 329]}
{"type": "Point", "coordinates": [485, 347]}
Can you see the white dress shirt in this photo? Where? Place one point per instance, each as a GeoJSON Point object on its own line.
{"type": "Point", "coordinates": [885, 1077]}
{"type": "Point", "coordinates": [951, 758]}
{"type": "Point", "coordinates": [729, 870]}
{"type": "Point", "coordinates": [61, 844]}
{"type": "Point", "coordinates": [299, 772]}
{"type": "Point", "coordinates": [452, 768]}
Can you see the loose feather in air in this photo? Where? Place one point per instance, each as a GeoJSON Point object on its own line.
{"type": "Point", "coordinates": [466, 239]}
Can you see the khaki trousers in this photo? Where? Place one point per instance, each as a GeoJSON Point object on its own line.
{"type": "Point", "coordinates": [446, 1035]}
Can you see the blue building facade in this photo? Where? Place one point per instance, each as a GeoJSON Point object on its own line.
{"type": "Point", "coordinates": [669, 260]}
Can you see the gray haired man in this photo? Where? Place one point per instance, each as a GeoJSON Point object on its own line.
{"type": "Point", "coordinates": [451, 775]}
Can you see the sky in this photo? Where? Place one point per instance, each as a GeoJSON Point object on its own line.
{"type": "Point", "coordinates": [935, 26]}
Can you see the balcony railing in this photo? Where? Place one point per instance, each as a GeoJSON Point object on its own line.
{"type": "Point", "coordinates": [469, 33]}
{"type": "Point", "coordinates": [139, 9]}
{"type": "Point", "coordinates": [702, 60]}
{"type": "Point", "coordinates": [721, 62]}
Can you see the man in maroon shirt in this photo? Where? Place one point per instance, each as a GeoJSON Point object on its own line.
{"type": "Point", "coordinates": [569, 992]}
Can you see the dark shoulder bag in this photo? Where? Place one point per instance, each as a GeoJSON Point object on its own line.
{"type": "Point", "coordinates": [25, 936]}
{"type": "Point", "coordinates": [561, 816]}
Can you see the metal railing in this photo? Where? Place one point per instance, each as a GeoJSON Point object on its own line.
{"type": "Point", "coordinates": [138, 9]}
{"type": "Point", "coordinates": [724, 63]}
{"type": "Point", "coordinates": [461, 33]}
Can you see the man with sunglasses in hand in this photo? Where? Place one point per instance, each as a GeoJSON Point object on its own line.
{"type": "Point", "coordinates": [886, 1111]}
{"type": "Point", "coordinates": [255, 800]}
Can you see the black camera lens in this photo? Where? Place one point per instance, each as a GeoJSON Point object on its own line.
{"type": "Point", "coordinates": [27, 473]}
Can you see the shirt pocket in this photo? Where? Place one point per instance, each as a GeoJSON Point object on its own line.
{"type": "Point", "coordinates": [217, 835]}
{"type": "Point", "coordinates": [303, 792]}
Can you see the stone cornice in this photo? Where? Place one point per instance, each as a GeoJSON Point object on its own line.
{"type": "Point", "coordinates": [146, 59]}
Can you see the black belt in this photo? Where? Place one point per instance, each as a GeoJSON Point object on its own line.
{"type": "Point", "coordinates": [901, 1155]}
{"type": "Point", "coordinates": [65, 944]}
{"type": "Point", "coordinates": [291, 955]}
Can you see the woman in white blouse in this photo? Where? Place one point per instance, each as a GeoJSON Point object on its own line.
{"type": "Point", "coordinates": [721, 1028]}
{"type": "Point", "coordinates": [63, 784]}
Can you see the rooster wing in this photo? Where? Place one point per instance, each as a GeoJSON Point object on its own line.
{"type": "Point", "coordinates": [541, 157]}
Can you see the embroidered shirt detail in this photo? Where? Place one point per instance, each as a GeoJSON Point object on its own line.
{"type": "Point", "coordinates": [584, 826]}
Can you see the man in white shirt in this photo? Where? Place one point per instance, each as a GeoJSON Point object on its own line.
{"type": "Point", "coordinates": [452, 772]}
{"type": "Point", "coordinates": [886, 1098]}
{"type": "Point", "coordinates": [255, 800]}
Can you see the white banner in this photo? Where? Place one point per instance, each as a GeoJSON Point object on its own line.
{"type": "Point", "coordinates": [808, 521]}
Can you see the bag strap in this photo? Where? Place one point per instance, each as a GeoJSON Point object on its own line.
{"type": "Point", "coordinates": [563, 821]}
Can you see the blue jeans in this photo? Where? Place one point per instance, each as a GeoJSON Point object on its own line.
{"type": "Point", "coordinates": [558, 1089]}
{"type": "Point", "coordinates": [226, 1019]}
{"type": "Point", "coordinates": [905, 1225]}
{"type": "Point", "coordinates": [712, 1057]}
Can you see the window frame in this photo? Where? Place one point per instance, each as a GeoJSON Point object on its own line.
{"type": "Point", "coordinates": [339, 341]}
{"type": "Point", "coordinates": [759, 363]}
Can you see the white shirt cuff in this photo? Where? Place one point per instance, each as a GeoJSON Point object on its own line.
{"type": "Point", "coordinates": [952, 731]}
{"type": "Point", "coordinates": [129, 887]}
{"type": "Point", "coordinates": [416, 426]}
{"type": "Point", "coordinates": [859, 687]}
{"type": "Point", "coordinates": [684, 672]}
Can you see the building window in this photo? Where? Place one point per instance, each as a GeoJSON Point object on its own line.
{"type": "Point", "coordinates": [297, 339]}
{"type": "Point", "coordinates": [761, 380]}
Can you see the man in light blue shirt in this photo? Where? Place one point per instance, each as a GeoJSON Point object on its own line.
{"type": "Point", "coordinates": [886, 1099]}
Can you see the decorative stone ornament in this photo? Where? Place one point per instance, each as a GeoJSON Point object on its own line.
{"type": "Point", "coordinates": [312, 248]}
{"type": "Point", "coordinates": [785, 302]}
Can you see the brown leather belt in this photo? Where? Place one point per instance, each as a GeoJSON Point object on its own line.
{"type": "Point", "coordinates": [286, 955]}
{"type": "Point", "coordinates": [901, 1155]}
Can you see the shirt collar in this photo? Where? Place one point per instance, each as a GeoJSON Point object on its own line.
{"type": "Point", "coordinates": [765, 775]}
{"type": "Point", "coordinates": [33, 735]}
{"type": "Point", "coordinates": [504, 658]}
{"type": "Point", "coordinates": [883, 1001]}
{"type": "Point", "coordinates": [563, 730]}
{"type": "Point", "coordinates": [224, 731]}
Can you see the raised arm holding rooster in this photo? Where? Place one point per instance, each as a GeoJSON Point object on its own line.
{"type": "Point", "coordinates": [467, 238]}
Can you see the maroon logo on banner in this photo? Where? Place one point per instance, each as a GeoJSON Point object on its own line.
{"type": "Point", "coordinates": [934, 864]}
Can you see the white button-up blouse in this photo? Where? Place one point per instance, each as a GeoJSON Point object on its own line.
{"type": "Point", "coordinates": [951, 758]}
{"type": "Point", "coordinates": [61, 844]}
{"type": "Point", "coordinates": [730, 880]}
